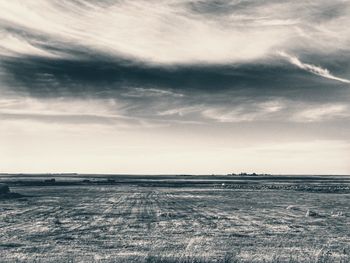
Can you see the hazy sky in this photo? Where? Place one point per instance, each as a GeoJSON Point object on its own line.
{"type": "Point", "coordinates": [175, 86]}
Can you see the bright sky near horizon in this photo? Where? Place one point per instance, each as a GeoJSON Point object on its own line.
{"type": "Point", "coordinates": [176, 86]}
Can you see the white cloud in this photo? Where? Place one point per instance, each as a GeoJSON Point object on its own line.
{"type": "Point", "coordinates": [151, 92]}
{"type": "Point", "coordinates": [321, 113]}
{"type": "Point", "coordinates": [180, 111]}
{"type": "Point", "coordinates": [272, 106]}
{"type": "Point", "coordinates": [248, 112]}
{"type": "Point", "coordinates": [312, 68]}
{"type": "Point", "coordinates": [60, 106]}
{"type": "Point", "coordinates": [169, 32]}
{"type": "Point", "coordinates": [230, 115]}
{"type": "Point", "coordinates": [12, 45]}
{"type": "Point", "coordinates": [158, 32]}
{"type": "Point", "coordinates": [160, 110]}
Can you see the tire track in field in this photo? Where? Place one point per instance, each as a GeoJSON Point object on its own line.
{"type": "Point", "coordinates": [211, 224]}
{"type": "Point", "coordinates": [199, 222]}
{"type": "Point", "coordinates": [97, 213]}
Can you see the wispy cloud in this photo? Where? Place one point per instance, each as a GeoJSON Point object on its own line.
{"type": "Point", "coordinates": [312, 68]}
{"type": "Point", "coordinates": [319, 113]}
{"type": "Point", "coordinates": [150, 92]}
{"type": "Point", "coordinates": [152, 31]}
{"type": "Point", "coordinates": [14, 45]}
{"type": "Point", "coordinates": [169, 32]}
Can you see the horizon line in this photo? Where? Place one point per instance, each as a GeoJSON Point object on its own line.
{"type": "Point", "coordinates": [172, 174]}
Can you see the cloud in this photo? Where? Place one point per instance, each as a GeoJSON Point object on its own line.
{"type": "Point", "coordinates": [321, 113]}
{"type": "Point", "coordinates": [150, 48]}
{"type": "Point", "coordinates": [312, 68]}
{"type": "Point", "coordinates": [173, 32]}
{"type": "Point", "coordinates": [152, 31]}
{"type": "Point", "coordinates": [12, 45]}
{"type": "Point", "coordinates": [64, 111]}
{"type": "Point", "coordinates": [278, 110]}
{"type": "Point", "coordinates": [150, 92]}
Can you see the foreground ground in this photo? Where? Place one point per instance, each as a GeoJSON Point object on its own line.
{"type": "Point", "coordinates": [231, 221]}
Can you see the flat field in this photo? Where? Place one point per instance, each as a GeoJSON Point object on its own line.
{"type": "Point", "coordinates": [176, 219]}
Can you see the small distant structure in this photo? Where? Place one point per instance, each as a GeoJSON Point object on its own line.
{"type": "Point", "coordinates": [246, 174]}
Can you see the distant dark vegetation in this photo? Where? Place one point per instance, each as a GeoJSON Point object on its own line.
{"type": "Point", "coordinates": [233, 181]}
{"type": "Point", "coordinates": [5, 192]}
{"type": "Point", "coordinates": [248, 174]}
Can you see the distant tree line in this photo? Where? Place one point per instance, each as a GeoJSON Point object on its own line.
{"type": "Point", "coordinates": [246, 174]}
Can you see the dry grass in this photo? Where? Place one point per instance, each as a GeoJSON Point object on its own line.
{"type": "Point", "coordinates": [124, 224]}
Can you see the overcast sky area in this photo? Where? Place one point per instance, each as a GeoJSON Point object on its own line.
{"type": "Point", "coordinates": [175, 86]}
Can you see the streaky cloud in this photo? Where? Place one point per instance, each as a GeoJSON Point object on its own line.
{"type": "Point", "coordinates": [311, 68]}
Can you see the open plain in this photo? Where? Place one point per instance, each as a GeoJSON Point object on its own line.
{"type": "Point", "coordinates": [176, 219]}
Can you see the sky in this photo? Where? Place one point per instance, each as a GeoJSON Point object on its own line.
{"type": "Point", "coordinates": [175, 86]}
